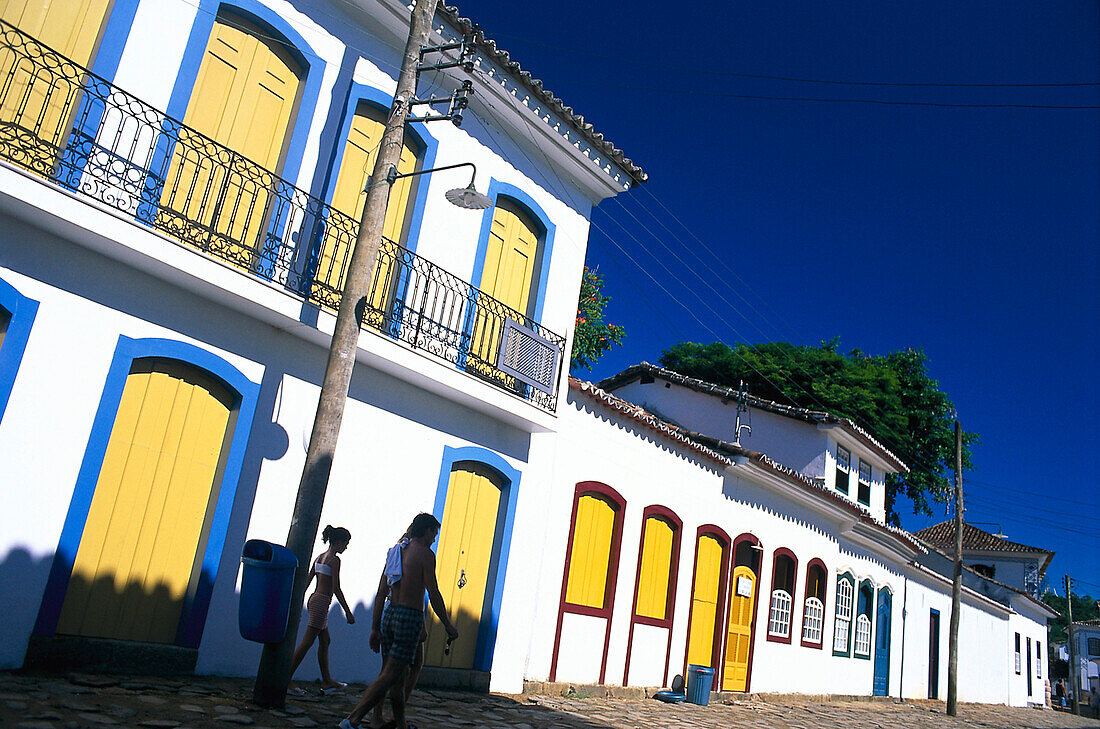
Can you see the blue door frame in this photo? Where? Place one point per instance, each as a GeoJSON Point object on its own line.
{"type": "Point", "coordinates": [882, 645]}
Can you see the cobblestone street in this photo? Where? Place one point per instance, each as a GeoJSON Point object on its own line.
{"type": "Point", "coordinates": [95, 702]}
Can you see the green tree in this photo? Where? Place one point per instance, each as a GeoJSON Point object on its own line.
{"type": "Point", "coordinates": [1084, 608]}
{"type": "Point", "coordinates": [592, 337]}
{"type": "Point", "coordinates": [891, 396]}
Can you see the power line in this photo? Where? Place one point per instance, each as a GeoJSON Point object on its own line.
{"type": "Point", "coordinates": [798, 79]}
{"type": "Point", "coordinates": [832, 100]}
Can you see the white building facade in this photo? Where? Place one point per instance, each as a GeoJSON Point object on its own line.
{"type": "Point", "coordinates": [180, 185]}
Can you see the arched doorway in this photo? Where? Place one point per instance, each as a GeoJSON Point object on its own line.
{"type": "Point", "coordinates": [150, 514]}
{"type": "Point", "coordinates": [40, 98]}
{"type": "Point", "coordinates": [742, 601]}
{"type": "Point", "coordinates": [708, 599]}
{"type": "Point", "coordinates": [245, 98]}
{"type": "Point", "coordinates": [469, 556]}
{"type": "Point", "coordinates": [882, 643]}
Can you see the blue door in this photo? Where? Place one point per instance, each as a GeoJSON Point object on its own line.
{"type": "Point", "coordinates": [882, 645]}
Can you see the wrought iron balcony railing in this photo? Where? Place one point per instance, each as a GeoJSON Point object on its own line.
{"type": "Point", "coordinates": [63, 123]}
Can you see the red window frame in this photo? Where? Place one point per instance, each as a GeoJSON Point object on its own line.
{"type": "Point", "coordinates": [606, 612]}
{"type": "Point", "coordinates": [816, 563]}
{"type": "Point", "coordinates": [668, 515]}
{"type": "Point", "coordinates": [776, 555]}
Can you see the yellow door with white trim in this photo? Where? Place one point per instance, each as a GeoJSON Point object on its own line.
{"type": "Point", "coordinates": [142, 541]}
{"type": "Point", "coordinates": [705, 601]}
{"type": "Point", "coordinates": [463, 560]}
{"type": "Point", "coordinates": [508, 276]}
{"type": "Point", "coordinates": [735, 676]}
{"type": "Point", "coordinates": [40, 96]}
{"type": "Point", "coordinates": [349, 196]}
{"type": "Point", "coordinates": [244, 98]}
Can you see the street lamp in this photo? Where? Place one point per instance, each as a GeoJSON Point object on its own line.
{"type": "Point", "coordinates": [464, 197]}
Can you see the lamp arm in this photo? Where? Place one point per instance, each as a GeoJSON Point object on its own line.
{"type": "Point", "coordinates": [393, 175]}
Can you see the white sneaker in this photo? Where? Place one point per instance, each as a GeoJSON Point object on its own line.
{"type": "Point", "coordinates": [345, 724]}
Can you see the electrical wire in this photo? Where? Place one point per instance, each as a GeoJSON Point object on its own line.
{"type": "Point", "coordinates": [797, 79]}
{"type": "Point", "coordinates": [695, 94]}
{"type": "Point", "coordinates": [384, 63]}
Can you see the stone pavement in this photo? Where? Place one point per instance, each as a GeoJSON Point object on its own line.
{"type": "Point", "coordinates": [101, 702]}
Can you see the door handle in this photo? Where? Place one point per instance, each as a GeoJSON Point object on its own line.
{"type": "Point", "coordinates": [462, 579]}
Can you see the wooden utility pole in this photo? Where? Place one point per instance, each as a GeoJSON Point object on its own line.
{"type": "Point", "coordinates": [273, 675]}
{"type": "Point", "coordinates": [956, 585]}
{"type": "Point", "coordinates": [1073, 680]}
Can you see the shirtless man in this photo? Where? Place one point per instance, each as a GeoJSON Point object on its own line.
{"type": "Point", "coordinates": [402, 621]}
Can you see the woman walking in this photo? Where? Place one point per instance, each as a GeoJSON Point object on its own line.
{"type": "Point", "coordinates": [326, 568]}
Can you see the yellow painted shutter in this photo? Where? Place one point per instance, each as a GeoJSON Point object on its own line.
{"type": "Point", "coordinates": [349, 197]}
{"type": "Point", "coordinates": [139, 548]}
{"type": "Point", "coordinates": [656, 564]}
{"type": "Point", "coordinates": [739, 635]}
{"type": "Point", "coordinates": [510, 257]}
{"type": "Point", "coordinates": [591, 554]}
{"type": "Point", "coordinates": [44, 101]}
{"type": "Point", "coordinates": [244, 97]}
{"type": "Point", "coordinates": [463, 558]}
{"type": "Point", "coordinates": [507, 276]}
{"type": "Point", "coordinates": [704, 601]}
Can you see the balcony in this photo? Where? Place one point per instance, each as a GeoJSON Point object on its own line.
{"type": "Point", "coordinates": [64, 124]}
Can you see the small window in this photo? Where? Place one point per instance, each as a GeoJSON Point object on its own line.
{"type": "Point", "coordinates": [1017, 654]}
{"type": "Point", "coordinates": [1094, 646]}
{"type": "Point", "coordinates": [590, 558]}
{"type": "Point", "coordinates": [1038, 659]}
{"type": "Point", "coordinates": [843, 466]}
{"type": "Point", "coordinates": [779, 615]}
{"type": "Point", "coordinates": [813, 609]}
{"type": "Point", "coordinates": [864, 494]}
{"type": "Point", "coordinates": [985, 570]}
{"type": "Point", "coordinates": [656, 569]}
{"type": "Point", "coordinates": [866, 598]}
{"type": "Point", "coordinates": [842, 627]}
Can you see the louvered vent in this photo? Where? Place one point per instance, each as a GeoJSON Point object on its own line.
{"type": "Point", "coordinates": [528, 357]}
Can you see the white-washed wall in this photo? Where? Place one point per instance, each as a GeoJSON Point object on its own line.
{"type": "Point", "coordinates": [646, 469]}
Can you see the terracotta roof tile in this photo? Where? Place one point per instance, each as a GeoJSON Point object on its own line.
{"type": "Point", "coordinates": [813, 416]}
{"type": "Point", "coordinates": [943, 535]}
{"type": "Point", "coordinates": [722, 453]}
{"type": "Point", "coordinates": [489, 47]}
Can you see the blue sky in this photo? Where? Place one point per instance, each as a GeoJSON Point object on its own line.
{"type": "Point", "coordinates": [914, 209]}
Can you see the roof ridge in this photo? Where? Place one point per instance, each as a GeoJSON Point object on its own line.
{"type": "Point", "coordinates": [536, 86]}
{"type": "Point", "coordinates": [691, 439]}
{"type": "Point", "coordinates": [763, 403]}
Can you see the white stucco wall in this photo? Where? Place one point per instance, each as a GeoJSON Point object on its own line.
{"type": "Point", "coordinates": [646, 469]}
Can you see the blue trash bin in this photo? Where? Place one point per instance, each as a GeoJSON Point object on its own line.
{"type": "Point", "coordinates": [267, 581]}
{"type": "Point", "coordinates": [699, 680]}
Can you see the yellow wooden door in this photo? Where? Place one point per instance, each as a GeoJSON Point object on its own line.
{"type": "Point", "coordinates": [507, 276]}
{"type": "Point", "coordinates": [137, 555]}
{"type": "Point", "coordinates": [653, 576]}
{"type": "Point", "coordinates": [735, 675]}
{"type": "Point", "coordinates": [590, 555]}
{"type": "Point", "coordinates": [244, 97]}
{"type": "Point", "coordinates": [41, 97]}
{"type": "Point", "coordinates": [704, 601]}
{"type": "Point", "coordinates": [462, 562]}
{"type": "Point", "coordinates": [349, 196]}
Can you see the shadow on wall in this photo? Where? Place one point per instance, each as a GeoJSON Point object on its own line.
{"type": "Point", "coordinates": [22, 579]}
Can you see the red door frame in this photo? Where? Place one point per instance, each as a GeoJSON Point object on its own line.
{"type": "Point", "coordinates": [665, 513]}
{"type": "Point", "coordinates": [751, 539]}
{"type": "Point", "coordinates": [613, 496]}
{"type": "Point", "coordinates": [721, 624]}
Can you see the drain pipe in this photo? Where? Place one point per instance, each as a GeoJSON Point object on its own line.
{"type": "Point", "coordinates": [904, 614]}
